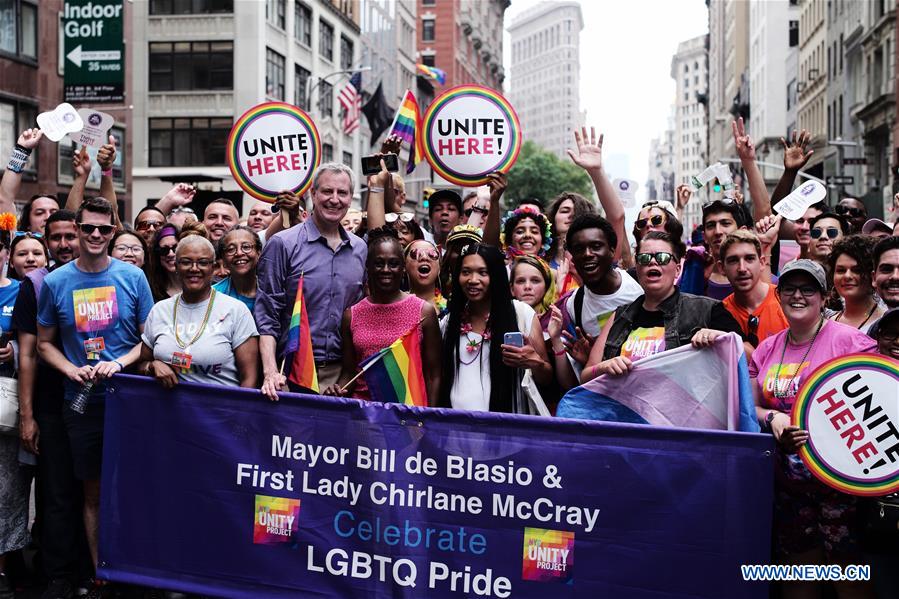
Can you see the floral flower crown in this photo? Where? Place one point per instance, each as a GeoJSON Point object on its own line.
{"type": "Point", "coordinates": [8, 221]}
{"type": "Point", "coordinates": [529, 211]}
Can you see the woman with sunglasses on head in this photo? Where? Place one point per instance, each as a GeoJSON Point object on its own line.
{"type": "Point", "coordinates": [813, 524]}
{"type": "Point", "coordinates": [129, 247]}
{"type": "Point", "coordinates": [662, 318]}
{"type": "Point", "coordinates": [239, 251]}
{"type": "Point", "coordinates": [405, 226]}
{"type": "Point", "coordinates": [423, 272]}
{"type": "Point", "coordinates": [161, 271]}
{"type": "Point", "coordinates": [384, 316]}
{"type": "Point", "coordinates": [28, 252]}
{"type": "Point", "coordinates": [850, 266]}
{"type": "Point", "coordinates": [479, 370]}
{"type": "Point", "coordinates": [825, 230]}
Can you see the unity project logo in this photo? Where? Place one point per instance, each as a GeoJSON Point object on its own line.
{"type": "Point", "coordinates": [548, 555]}
{"type": "Point", "coordinates": [276, 519]}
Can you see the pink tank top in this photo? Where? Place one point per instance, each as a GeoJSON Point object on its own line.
{"type": "Point", "coordinates": [375, 326]}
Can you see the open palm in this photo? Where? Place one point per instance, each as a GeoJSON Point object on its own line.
{"type": "Point", "coordinates": [589, 150]}
{"type": "Point", "coordinates": [795, 153]}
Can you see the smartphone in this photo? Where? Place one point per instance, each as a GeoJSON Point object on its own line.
{"type": "Point", "coordinates": [371, 165]}
{"type": "Point", "coordinates": [5, 338]}
{"type": "Point", "coordinates": [515, 338]}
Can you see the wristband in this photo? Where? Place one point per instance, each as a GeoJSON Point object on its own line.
{"type": "Point", "coordinates": [121, 366]}
{"type": "Point", "coordinates": [18, 159]}
{"type": "Point", "coordinates": [107, 173]}
{"type": "Point", "coordinates": [375, 190]}
{"type": "Point", "coordinates": [559, 353]}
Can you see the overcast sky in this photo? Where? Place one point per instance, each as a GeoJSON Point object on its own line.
{"type": "Point", "coordinates": [626, 85]}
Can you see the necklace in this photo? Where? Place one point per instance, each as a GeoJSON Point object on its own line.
{"type": "Point", "coordinates": [865, 321]}
{"type": "Point", "coordinates": [202, 328]}
{"type": "Point", "coordinates": [473, 346]}
{"type": "Point", "coordinates": [785, 392]}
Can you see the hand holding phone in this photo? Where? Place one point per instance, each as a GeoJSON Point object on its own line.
{"type": "Point", "coordinates": [371, 165]}
{"type": "Point", "coordinates": [515, 339]}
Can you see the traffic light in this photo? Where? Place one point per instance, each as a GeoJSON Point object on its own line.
{"type": "Point", "coordinates": [426, 193]}
{"type": "Point", "coordinates": [716, 187]}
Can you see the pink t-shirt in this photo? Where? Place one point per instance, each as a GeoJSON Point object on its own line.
{"type": "Point", "coordinates": [835, 339]}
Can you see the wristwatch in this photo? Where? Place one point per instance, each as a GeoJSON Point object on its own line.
{"type": "Point", "coordinates": [769, 418]}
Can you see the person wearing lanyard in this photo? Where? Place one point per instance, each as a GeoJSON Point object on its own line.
{"type": "Point", "coordinates": [96, 306]}
{"type": "Point", "coordinates": [200, 335]}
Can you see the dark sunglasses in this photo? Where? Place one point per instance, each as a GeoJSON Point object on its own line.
{"type": "Point", "coordinates": [726, 201]}
{"type": "Point", "coordinates": [656, 221]}
{"type": "Point", "coordinates": [429, 254]}
{"type": "Point", "coordinates": [164, 250]}
{"type": "Point", "coordinates": [661, 258]}
{"type": "Point", "coordinates": [832, 232]}
{"type": "Point", "coordinates": [89, 229]}
{"type": "Point", "coordinates": [469, 212]}
{"type": "Point", "coordinates": [850, 210]}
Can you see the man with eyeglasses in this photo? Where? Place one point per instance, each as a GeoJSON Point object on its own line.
{"type": "Point", "coordinates": [95, 306]}
{"type": "Point", "coordinates": [753, 303]}
{"type": "Point", "coordinates": [854, 211]}
{"type": "Point", "coordinates": [148, 222]}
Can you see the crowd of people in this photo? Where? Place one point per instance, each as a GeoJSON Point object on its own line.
{"type": "Point", "coordinates": [512, 310]}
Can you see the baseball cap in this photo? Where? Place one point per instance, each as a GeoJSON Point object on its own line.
{"type": "Point", "coordinates": [892, 313]}
{"type": "Point", "coordinates": [807, 266]}
{"type": "Point", "coordinates": [663, 204]}
{"type": "Point", "coordinates": [872, 224]}
{"type": "Point", "coordinates": [443, 195]}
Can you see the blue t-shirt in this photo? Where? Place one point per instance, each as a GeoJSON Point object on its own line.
{"type": "Point", "coordinates": [8, 296]}
{"type": "Point", "coordinates": [224, 286]}
{"type": "Point", "coordinates": [111, 304]}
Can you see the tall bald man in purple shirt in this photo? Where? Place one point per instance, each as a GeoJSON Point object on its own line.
{"type": "Point", "coordinates": [333, 264]}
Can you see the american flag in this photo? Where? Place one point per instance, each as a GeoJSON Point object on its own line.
{"type": "Point", "coordinates": [351, 99]}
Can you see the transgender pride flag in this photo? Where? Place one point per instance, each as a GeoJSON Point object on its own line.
{"type": "Point", "coordinates": [684, 387]}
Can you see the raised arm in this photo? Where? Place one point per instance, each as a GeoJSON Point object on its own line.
{"type": "Point", "coordinates": [106, 158]}
{"type": "Point", "coordinates": [81, 168]}
{"type": "Point", "coordinates": [796, 155]}
{"type": "Point", "coordinates": [290, 204]}
{"type": "Point", "coordinates": [181, 194]}
{"type": "Point", "coordinates": [497, 183]}
{"type": "Point", "coordinates": [379, 186]}
{"type": "Point", "coordinates": [746, 151]}
{"type": "Point", "coordinates": [12, 176]}
{"type": "Point", "coordinates": [589, 158]}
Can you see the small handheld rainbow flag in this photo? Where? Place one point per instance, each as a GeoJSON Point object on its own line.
{"type": "Point", "coordinates": [299, 343]}
{"type": "Point", "coordinates": [406, 125]}
{"type": "Point", "coordinates": [434, 73]}
{"type": "Point", "coordinates": [393, 375]}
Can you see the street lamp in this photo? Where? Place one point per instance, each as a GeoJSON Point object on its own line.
{"type": "Point", "coordinates": [322, 79]}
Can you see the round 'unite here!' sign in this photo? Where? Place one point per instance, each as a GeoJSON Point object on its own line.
{"type": "Point", "coordinates": [471, 131]}
{"type": "Point", "coordinates": [850, 407]}
{"type": "Point", "coordinates": [274, 147]}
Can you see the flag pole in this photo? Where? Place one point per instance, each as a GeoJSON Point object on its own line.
{"type": "Point", "coordinates": [284, 361]}
{"type": "Point", "coordinates": [380, 355]}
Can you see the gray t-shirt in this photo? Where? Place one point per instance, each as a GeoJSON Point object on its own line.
{"type": "Point", "coordinates": [212, 355]}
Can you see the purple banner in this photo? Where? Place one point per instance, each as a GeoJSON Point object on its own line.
{"type": "Point", "coordinates": [218, 491]}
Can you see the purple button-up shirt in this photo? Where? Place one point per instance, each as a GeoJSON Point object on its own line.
{"type": "Point", "coordinates": [333, 281]}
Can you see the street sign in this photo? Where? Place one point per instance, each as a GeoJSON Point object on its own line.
{"type": "Point", "coordinates": [94, 50]}
{"type": "Point", "coordinates": [861, 160]}
{"type": "Point", "coordinates": [840, 180]}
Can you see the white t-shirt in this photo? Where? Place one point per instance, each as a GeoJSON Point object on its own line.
{"type": "Point", "coordinates": [598, 308]}
{"type": "Point", "coordinates": [471, 387]}
{"type": "Point", "coordinates": [212, 355]}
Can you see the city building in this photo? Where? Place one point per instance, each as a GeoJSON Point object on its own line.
{"type": "Point", "coordinates": [199, 66]}
{"type": "Point", "coordinates": [689, 69]}
{"type": "Point", "coordinates": [545, 73]}
{"type": "Point", "coordinates": [660, 182]}
{"type": "Point", "coordinates": [773, 46]}
{"type": "Point", "coordinates": [32, 65]}
{"type": "Point", "coordinates": [728, 95]}
{"type": "Point", "coordinates": [813, 80]}
{"type": "Point", "coordinates": [464, 38]}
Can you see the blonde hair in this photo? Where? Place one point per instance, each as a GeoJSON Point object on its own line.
{"type": "Point", "coordinates": [549, 296]}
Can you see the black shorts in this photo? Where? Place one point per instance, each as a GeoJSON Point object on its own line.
{"type": "Point", "coordinates": [86, 439]}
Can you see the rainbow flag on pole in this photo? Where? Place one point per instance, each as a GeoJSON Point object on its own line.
{"type": "Point", "coordinates": [438, 75]}
{"type": "Point", "coordinates": [406, 125]}
{"type": "Point", "coordinates": [299, 343]}
{"type": "Point", "coordinates": [393, 375]}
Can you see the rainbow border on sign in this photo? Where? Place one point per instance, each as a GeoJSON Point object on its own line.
{"type": "Point", "coordinates": [799, 416]}
{"type": "Point", "coordinates": [237, 131]}
{"type": "Point", "coordinates": [448, 96]}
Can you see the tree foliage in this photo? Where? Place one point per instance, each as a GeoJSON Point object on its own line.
{"type": "Point", "coordinates": [541, 174]}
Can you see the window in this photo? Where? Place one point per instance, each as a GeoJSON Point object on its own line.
{"type": "Point", "coordinates": [188, 141]}
{"type": "Point", "coordinates": [326, 98]}
{"type": "Point", "coordinates": [274, 12]}
{"type": "Point", "coordinates": [794, 34]}
{"type": "Point", "coordinates": [427, 30]}
{"type": "Point", "coordinates": [327, 153]}
{"type": "Point", "coordinates": [274, 74]}
{"type": "Point", "coordinates": [429, 60]}
{"type": "Point", "coordinates": [188, 7]}
{"type": "Point", "coordinates": [18, 28]}
{"type": "Point", "coordinates": [300, 80]}
{"type": "Point", "coordinates": [348, 159]}
{"type": "Point", "coordinates": [14, 118]}
{"type": "Point", "coordinates": [428, 2]}
{"type": "Point", "coordinates": [191, 65]}
{"type": "Point", "coordinates": [346, 53]}
{"type": "Point", "coordinates": [326, 40]}
{"type": "Point", "coordinates": [302, 24]}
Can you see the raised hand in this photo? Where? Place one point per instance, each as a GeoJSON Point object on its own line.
{"type": "Point", "coordinates": [796, 154]}
{"type": "Point", "coordinates": [497, 183]}
{"type": "Point", "coordinates": [391, 145]}
{"type": "Point", "coordinates": [180, 195]}
{"type": "Point", "coordinates": [30, 138]}
{"type": "Point", "coordinates": [684, 193]}
{"type": "Point", "coordinates": [767, 230]}
{"type": "Point", "coordinates": [106, 155]}
{"type": "Point", "coordinates": [81, 163]}
{"type": "Point", "coordinates": [589, 150]}
{"type": "Point", "coordinates": [742, 141]}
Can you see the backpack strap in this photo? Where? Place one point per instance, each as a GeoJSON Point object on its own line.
{"type": "Point", "coordinates": [579, 307]}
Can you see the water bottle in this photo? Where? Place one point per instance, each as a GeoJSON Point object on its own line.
{"type": "Point", "coordinates": [79, 402]}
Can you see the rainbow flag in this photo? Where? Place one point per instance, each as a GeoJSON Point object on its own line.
{"type": "Point", "coordinates": [434, 73]}
{"type": "Point", "coordinates": [393, 375]}
{"type": "Point", "coordinates": [406, 125]}
{"type": "Point", "coordinates": [299, 343]}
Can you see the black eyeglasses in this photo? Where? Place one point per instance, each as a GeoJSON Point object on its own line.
{"type": "Point", "coordinates": [165, 250]}
{"type": "Point", "coordinates": [202, 263]}
{"type": "Point", "coordinates": [851, 211]}
{"type": "Point", "coordinates": [476, 209]}
{"type": "Point", "coordinates": [89, 229]}
{"type": "Point", "coordinates": [753, 326]}
{"type": "Point", "coordinates": [656, 221]}
{"type": "Point", "coordinates": [832, 232]}
{"type": "Point", "coordinates": [661, 258]}
{"type": "Point", "coordinates": [790, 290]}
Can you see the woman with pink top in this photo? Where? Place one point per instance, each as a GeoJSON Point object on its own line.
{"type": "Point", "coordinates": [385, 316]}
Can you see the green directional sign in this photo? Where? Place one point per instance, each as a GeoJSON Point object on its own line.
{"type": "Point", "coordinates": [94, 51]}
